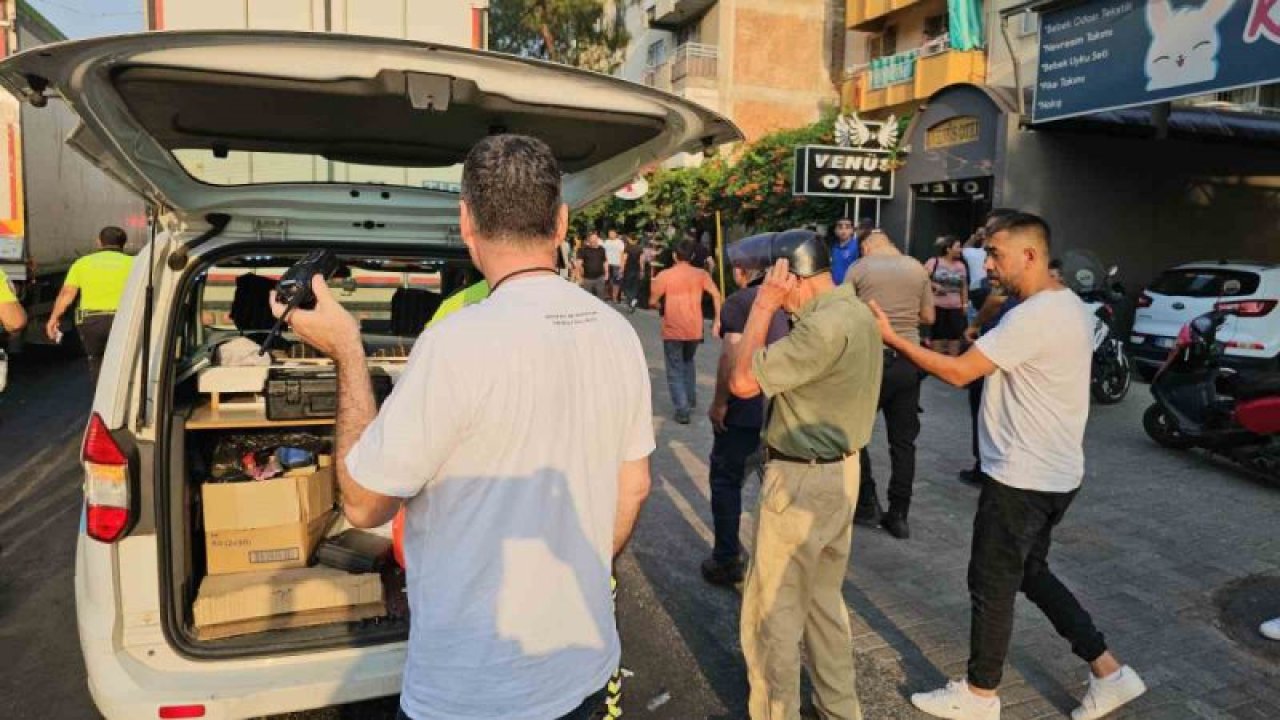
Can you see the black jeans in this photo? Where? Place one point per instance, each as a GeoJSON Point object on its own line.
{"type": "Point", "coordinates": [975, 406]}
{"type": "Point", "coordinates": [94, 331]}
{"type": "Point", "coordinates": [729, 453]}
{"type": "Point", "coordinates": [587, 710]}
{"type": "Point", "coordinates": [1011, 534]}
{"type": "Point", "coordinates": [900, 403]}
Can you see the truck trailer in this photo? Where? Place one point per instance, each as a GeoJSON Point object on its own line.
{"type": "Point", "coordinates": [53, 201]}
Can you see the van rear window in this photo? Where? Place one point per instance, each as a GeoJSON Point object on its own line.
{"type": "Point", "coordinates": [1207, 282]}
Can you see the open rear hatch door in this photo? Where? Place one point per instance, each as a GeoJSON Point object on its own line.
{"type": "Point", "coordinates": [274, 123]}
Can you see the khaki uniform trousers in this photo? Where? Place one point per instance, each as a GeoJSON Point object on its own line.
{"type": "Point", "coordinates": [793, 591]}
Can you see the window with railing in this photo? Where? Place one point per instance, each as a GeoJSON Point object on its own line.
{"type": "Point", "coordinates": [695, 60]}
{"type": "Point", "coordinates": [901, 67]}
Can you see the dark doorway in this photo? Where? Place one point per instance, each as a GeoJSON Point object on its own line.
{"type": "Point", "coordinates": [951, 207]}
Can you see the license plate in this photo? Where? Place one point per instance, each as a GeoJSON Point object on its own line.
{"type": "Point", "coordinates": [1163, 342]}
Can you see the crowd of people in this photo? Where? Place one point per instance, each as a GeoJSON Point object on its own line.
{"type": "Point", "coordinates": [526, 478]}
{"type": "Point", "coordinates": [854, 319]}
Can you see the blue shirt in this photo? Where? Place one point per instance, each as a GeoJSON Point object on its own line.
{"type": "Point", "coordinates": [842, 258]}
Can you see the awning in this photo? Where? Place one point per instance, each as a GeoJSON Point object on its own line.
{"type": "Point", "coordinates": [1185, 123]}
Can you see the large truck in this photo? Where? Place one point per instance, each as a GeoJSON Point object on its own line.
{"type": "Point", "coordinates": [53, 201]}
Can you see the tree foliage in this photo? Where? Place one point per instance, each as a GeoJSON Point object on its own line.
{"type": "Point", "coordinates": [574, 32]}
{"type": "Point", "coordinates": [751, 190]}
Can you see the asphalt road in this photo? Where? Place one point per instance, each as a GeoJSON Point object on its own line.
{"type": "Point", "coordinates": [679, 635]}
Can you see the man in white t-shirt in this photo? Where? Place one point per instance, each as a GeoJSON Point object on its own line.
{"type": "Point", "coordinates": [1031, 433]}
{"type": "Point", "coordinates": [614, 249]}
{"type": "Point", "coordinates": [518, 440]}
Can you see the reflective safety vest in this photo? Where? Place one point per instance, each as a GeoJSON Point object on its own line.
{"type": "Point", "coordinates": [101, 277]}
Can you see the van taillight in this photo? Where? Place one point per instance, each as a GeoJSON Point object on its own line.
{"type": "Point", "coordinates": [106, 486]}
{"type": "Point", "coordinates": [1144, 300]}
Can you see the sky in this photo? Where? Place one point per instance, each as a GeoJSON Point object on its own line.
{"type": "Point", "coordinates": [91, 18]}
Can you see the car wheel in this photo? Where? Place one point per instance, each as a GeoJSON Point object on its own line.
{"type": "Point", "coordinates": [1163, 428]}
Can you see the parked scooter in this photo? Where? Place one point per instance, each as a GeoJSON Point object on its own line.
{"type": "Point", "coordinates": [1201, 404]}
{"type": "Point", "coordinates": [1112, 372]}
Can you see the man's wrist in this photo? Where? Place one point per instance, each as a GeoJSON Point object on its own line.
{"type": "Point", "coordinates": [349, 354]}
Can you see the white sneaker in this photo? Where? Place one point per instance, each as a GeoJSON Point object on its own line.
{"type": "Point", "coordinates": [1271, 629]}
{"type": "Point", "coordinates": [957, 702]}
{"type": "Point", "coordinates": [1108, 694]}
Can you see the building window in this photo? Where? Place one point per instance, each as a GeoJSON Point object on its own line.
{"type": "Point", "coordinates": [884, 44]}
{"type": "Point", "coordinates": [936, 26]}
{"type": "Point", "coordinates": [657, 54]}
{"type": "Point", "coordinates": [1029, 23]}
{"type": "Point", "coordinates": [1269, 97]}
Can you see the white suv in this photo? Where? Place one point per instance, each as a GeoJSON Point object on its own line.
{"type": "Point", "coordinates": [255, 147]}
{"type": "Point", "coordinates": [1251, 334]}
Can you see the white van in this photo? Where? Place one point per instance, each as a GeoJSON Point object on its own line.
{"type": "Point", "coordinates": [363, 139]}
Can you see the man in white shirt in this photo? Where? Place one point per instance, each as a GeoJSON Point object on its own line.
{"type": "Point", "coordinates": [1031, 434]}
{"type": "Point", "coordinates": [614, 249]}
{"type": "Point", "coordinates": [518, 440]}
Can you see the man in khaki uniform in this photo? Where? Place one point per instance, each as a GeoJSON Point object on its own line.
{"type": "Point", "coordinates": [99, 279]}
{"type": "Point", "coordinates": [824, 383]}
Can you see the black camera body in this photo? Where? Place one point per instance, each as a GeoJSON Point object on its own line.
{"type": "Point", "coordinates": [294, 288]}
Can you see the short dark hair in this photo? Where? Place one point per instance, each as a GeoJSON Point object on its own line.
{"type": "Point", "coordinates": [1026, 223]}
{"type": "Point", "coordinates": [112, 236]}
{"type": "Point", "coordinates": [945, 242]}
{"type": "Point", "coordinates": [685, 249]}
{"type": "Point", "coordinates": [511, 185]}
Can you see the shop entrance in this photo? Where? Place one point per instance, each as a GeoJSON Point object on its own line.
{"type": "Point", "coordinates": [949, 207]}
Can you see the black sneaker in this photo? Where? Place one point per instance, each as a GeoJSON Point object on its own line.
{"type": "Point", "coordinates": [868, 512]}
{"type": "Point", "coordinates": [895, 523]}
{"type": "Point", "coordinates": [682, 417]}
{"type": "Point", "coordinates": [725, 574]}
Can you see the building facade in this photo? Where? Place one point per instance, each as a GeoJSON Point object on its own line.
{"type": "Point", "coordinates": [1125, 185]}
{"type": "Point", "coordinates": [765, 64]}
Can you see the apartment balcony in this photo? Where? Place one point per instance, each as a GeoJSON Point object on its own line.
{"type": "Point", "coordinates": [912, 76]}
{"type": "Point", "coordinates": [692, 72]}
{"type": "Point", "coordinates": [675, 14]}
{"type": "Point", "coordinates": [869, 15]}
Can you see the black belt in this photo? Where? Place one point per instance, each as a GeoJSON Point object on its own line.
{"type": "Point", "coordinates": [770, 455]}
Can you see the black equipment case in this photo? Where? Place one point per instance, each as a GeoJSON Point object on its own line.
{"type": "Point", "coordinates": [295, 393]}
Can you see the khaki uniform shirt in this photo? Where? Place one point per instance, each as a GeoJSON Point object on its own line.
{"type": "Point", "coordinates": [900, 284]}
{"type": "Point", "coordinates": [823, 379]}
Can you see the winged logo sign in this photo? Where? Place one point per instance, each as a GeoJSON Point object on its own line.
{"type": "Point", "coordinates": [854, 132]}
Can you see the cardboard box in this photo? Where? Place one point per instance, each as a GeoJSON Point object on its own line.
{"type": "Point", "coordinates": [230, 605]}
{"type": "Point", "coordinates": [267, 524]}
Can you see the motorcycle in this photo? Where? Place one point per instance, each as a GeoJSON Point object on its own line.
{"type": "Point", "coordinates": [1112, 371]}
{"type": "Point", "coordinates": [1200, 404]}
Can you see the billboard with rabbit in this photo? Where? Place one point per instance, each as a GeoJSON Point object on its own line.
{"type": "Point", "coordinates": [1108, 54]}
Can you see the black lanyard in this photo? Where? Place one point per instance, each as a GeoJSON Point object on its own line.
{"type": "Point", "coordinates": [524, 271]}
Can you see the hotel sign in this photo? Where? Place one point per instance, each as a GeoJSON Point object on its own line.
{"type": "Point", "coordinates": [838, 172]}
{"type": "Point", "coordinates": [949, 133]}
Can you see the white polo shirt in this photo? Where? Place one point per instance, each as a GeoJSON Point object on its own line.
{"type": "Point", "coordinates": [1035, 406]}
{"type": "Point", "coordinates": [507, 431]}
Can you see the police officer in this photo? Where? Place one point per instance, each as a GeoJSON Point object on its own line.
{"type": "Point", "coordinates": [901, 285]}
{"type": "Point", "coordinates": [824, 381]}
{"type": "Point", "coordinates": [99, 279]}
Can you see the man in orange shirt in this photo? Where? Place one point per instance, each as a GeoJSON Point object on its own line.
{"type": "Point", "coordinates": [683, 286]}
